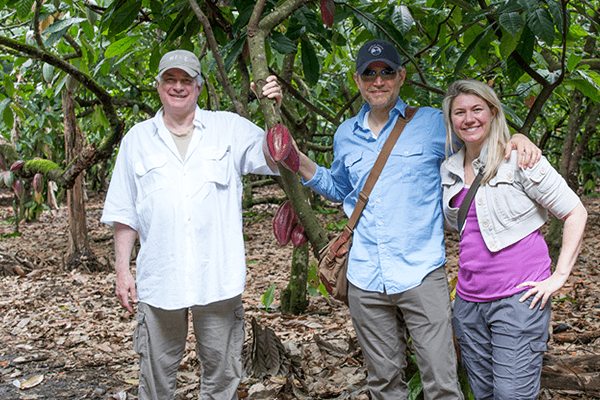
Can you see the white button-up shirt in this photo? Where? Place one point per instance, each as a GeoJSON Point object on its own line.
{"type": "Point", "coordinates": [188, 213]}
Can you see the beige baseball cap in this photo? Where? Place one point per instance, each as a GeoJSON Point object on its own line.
{"type": "Point", "coordinates": [182, 59]}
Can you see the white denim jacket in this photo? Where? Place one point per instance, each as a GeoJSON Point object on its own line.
{"type": "Point", "coordinates": [512, 204]}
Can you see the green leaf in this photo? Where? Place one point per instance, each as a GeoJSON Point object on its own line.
{"type": "Point", "coordinates": [120, 46]}
{"type": "Point", "coordinates": [475, 16]}
{"type": "Point", "coordinates": [557, 14]}
{"type": "Point", "coordinates": [464, 58]}
{"type": "Point", "coordinates": [269, 296]}
{"type": "Point", "coordinates": [588, 84]}
{"type": "Point", "coordinates": [62, 25]}
{"type": "Point", "coordinates": [9, 85]}
{"type": "Point", "coordinates": [509, 112]}
{"type": "Point", "coordinates": [365, 19]}
{"type": "Point", "coordinates": [529, 6]}
{"type": "Point", "coordinates": [415, 386]}
{"type": "Point", "coordinates": [23, 8]}
{"type": "Point", "coordinates": [525, 50]}
{"type": "Point", "coordinates": [155, 58]}
{"type": "Point", "coordinates": [573, 61]}
{"type": "Point", "coordinates": [282, 43]}
{"type": "Point", "coordinates": [310, 62]}
{"type": "Point", "coordinates": [8, 117]}
{"type": "Point", "coordinates": [577, 32]}
{"type": "Point", "coordinates": [513, 23]}
{"type": "Point", "coordinates": [308, 19]}
{"type": "Point", "coordinates": [3, 104]}
{"type": "Point", "coordinates": [124, 15]}
{"type": "Point", "coordinates": [540, 23]}
{"type": "Point", "coordinates": [236, 49]}
{"type": "Point", "coordinates": [402, 19]}
{"type": "Point", "coordinates": [508, 44]}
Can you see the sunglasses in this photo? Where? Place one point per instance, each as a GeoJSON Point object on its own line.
{"type": "Point", "coordinates": [386, 74]}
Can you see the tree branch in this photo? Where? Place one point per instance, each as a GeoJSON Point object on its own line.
{"type": "Point", "coordinates": [210, 37]}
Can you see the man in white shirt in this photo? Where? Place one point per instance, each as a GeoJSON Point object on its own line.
{"type": "Point", "coordinates": [177, 183]}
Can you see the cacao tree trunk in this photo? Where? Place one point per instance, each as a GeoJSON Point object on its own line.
{"type": "Point", "coordinates": [79, 253]}
{"type": "Point", "coordinates": [294, 296]}
{"type": "Point", "coordinates": [258, 30]}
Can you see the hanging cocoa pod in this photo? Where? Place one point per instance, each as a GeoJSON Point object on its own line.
{"type": "Point", "coordinates": [284, 221]}
{"type": "Point", "coordinates": [279, 142]}
{"type": "Point", "coordinates": [328, 12]}
{"type": "Point", "coordinates": [292, 161]}
{"type": "Point", "coordinates": [298, 235]}
{"type": "Point", "coordinates": [17, 165]}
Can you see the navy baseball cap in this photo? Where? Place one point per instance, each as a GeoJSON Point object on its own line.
{"type": "Point", "coordinates": [377, 50]}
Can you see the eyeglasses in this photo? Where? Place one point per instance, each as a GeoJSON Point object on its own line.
{"type": "Point", "coordinates": [386, 74]}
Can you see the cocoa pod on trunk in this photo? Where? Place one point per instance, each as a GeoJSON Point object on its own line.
{"type": "Point", "coordinates": [9, 178]}
{"type": "Point", "coordinates": [38, 183]}
{"type": "Point", "coordinates": [18, 188]}
{"type": "Point", "coordinates": [292, 161]}
{"type": "Point", "coordinates": [279, 142]}
{"type": "Point", "coordinates": [17, 165]}
{"type": "Point", "coordinates": [284, 222]}
{"type": "Point", "coordinates": [298, 235]}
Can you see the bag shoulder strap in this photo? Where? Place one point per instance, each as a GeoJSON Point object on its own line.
{"type": "Point", "coordinates": [363, 197]}
{"type": "Point", "coordinates": [466, 203]}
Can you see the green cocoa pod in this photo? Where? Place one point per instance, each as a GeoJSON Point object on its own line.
{"type": "Point", "coordinates": [48, 72]}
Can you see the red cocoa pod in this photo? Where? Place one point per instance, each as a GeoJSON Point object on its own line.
{"type": "Point", "coordinates": [292, 161]}
{"type": "Point", "coordinates": [18, 188]}
{"type": "Point", "coordinates": [38, 183]}
{"type": "Point", "coordinates": [298, 236]}
{"type": "Point", "coordinates": [17, 165]}
{"type": "Point", "coordinates": [9, 178]}
{"type": "Point", "coordinates": [279, 142]}
{"type": "Point", "coordinates": [283, 223]}
{"type": "Point", "coordinates": [328, 12]}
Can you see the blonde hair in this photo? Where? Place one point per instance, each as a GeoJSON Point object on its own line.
{"type": "Point", "coordinates": [499, 134]}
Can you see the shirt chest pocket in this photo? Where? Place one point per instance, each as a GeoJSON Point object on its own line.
{"type": "Point", "coordinates": [509, 199]}
{"type": "Point", "coordinates": [216, 164]}
{"type": "Point", "coordinates": [356, 169]}
{"type": "Point", "coordinates": [404, 161]}
{"type": "Point", "coordinates": [151, 173]}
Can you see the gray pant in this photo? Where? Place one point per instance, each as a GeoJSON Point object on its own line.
{"type": "Point", "coordinates": [381, 322]}
{"type": "Point", "coordinates": [502, 344]}
{"type": "Point", "coordinates": [160, 338]}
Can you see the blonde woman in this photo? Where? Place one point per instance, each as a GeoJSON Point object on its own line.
{"type": "Point", "coordinates": [501, 314]}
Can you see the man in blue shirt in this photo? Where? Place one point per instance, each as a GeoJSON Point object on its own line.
{"type": "Point", "coordinates": [397, 280]}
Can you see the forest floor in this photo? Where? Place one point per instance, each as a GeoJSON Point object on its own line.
{"type": "Point", "coordinates": [64, 335]}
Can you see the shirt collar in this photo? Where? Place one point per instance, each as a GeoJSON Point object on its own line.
{"type": "Point", "coordinates": [159, 121]}
{"type": "Point", "coordinates": [364, 132]}
{"type": "Point", "coordinates": [457, 160]}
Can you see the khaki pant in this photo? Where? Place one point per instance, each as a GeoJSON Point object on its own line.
{"type": "Point", "coordinates": [160, 338]}
{"type": "Point", "coordinates": [382, 323]}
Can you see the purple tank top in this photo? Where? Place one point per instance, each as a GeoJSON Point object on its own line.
{"type": "Point", "coordinates": [487, 276]}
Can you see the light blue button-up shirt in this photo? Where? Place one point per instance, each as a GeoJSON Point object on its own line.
{"type": "Point", "coordinates": [399, 238]}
